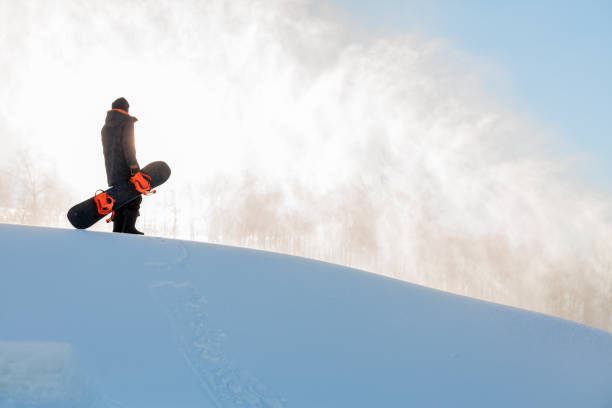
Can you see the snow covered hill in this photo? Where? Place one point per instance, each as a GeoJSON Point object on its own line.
{"type": "Point", "coordinates": [92, 319]}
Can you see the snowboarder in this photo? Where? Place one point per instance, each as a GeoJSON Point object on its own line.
{"type": "Point", "coordinates": [120, 160]}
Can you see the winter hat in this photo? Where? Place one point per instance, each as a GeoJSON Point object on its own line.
{"type": "Point", "coordinates": [121, 103]}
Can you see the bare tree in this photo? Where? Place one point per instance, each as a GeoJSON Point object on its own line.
{"type": "Point", "coordinates": [37, 195]}
{"type": "Point", "coordinates": [4, 188]}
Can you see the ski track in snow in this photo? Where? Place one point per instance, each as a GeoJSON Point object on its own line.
{"type": "Point", "coordinates": [202, 347]}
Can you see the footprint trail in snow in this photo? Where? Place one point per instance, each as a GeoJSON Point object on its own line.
{"type": "Point", "coordinates": [202, 347]}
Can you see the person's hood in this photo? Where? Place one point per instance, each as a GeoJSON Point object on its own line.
{"type": "Point", "coordinates": [116, 117]}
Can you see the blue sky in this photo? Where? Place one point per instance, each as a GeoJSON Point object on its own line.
{"type": "Point", "coordinates": [557, 56]}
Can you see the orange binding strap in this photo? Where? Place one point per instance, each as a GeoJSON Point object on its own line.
{"type": "Point", "coordinates": [105, 203]}
{"type": "Point", "coordinates": [141, 183]}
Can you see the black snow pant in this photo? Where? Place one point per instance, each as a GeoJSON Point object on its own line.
{"type": "Point", "coordinates": [130, 209]}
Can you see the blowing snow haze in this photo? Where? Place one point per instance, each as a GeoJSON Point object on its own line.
{"type": "Point", "coordinates": [289, 130]}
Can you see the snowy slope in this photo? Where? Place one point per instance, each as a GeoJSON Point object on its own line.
{"type": "Point", "coordinates": [93, 319]}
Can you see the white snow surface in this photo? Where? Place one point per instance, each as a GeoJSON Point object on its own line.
{"type": "Point", "coordinates": [91, 319]}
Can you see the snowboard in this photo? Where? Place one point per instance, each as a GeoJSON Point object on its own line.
{"type": "Point", "coordinates": [86, 213]}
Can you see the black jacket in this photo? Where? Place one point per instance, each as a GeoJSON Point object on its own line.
{"type": "Point", "coordinates": [118, 145]}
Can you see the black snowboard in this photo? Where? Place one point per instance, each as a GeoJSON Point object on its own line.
{"type": "Point", "coordinates": [85, 214]}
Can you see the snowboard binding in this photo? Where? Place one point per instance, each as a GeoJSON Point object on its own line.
{"type": "Point", "coordinates": [105, 203]}
{"type": "Point", "coordinates": [141, 182]}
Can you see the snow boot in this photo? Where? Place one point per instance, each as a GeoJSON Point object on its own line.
{"type": "Point", "coordinates": [118, 223]}
{"type": "Point", "coordinates": [129, 226]}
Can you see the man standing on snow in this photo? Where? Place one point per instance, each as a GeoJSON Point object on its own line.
{"type": "Point", "coordinates": [120, 160]}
